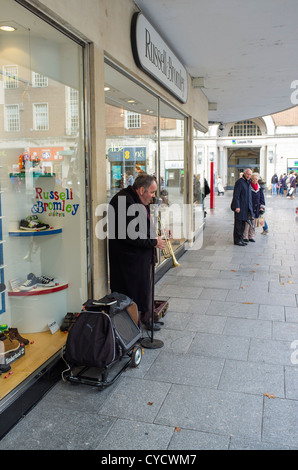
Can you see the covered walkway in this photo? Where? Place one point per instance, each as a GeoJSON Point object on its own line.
{"type": "Point", "coordinates": [226, 377]}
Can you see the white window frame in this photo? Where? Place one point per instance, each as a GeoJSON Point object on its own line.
{"type": "Point", "coordinates": [7, 121]}
{"type": "Point", "coordinates": [132, 120]}
{"type": "Point", "coordinates": [36, 127]}
{"type": "Point", "coordinates": [11, 77]}
{"type": "Point", "coordinates": [39, 80]}
{"type": "Point", "coordinates": [72, 111]}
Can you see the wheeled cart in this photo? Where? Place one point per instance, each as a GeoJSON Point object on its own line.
{"type": "Point", "coordinates": [106, 376]}
{"type": "Point", "coordinates": [103, 342]}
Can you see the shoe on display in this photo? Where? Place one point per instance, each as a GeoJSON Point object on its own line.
{"type": "Point", "coordinates": [46, 281]}
{"type": "Point", "coordinates": [31, 282]}
{"type": "Point", "coordinates": [7, 346]}
{"type": "Point", "coordinates": [15, 335]}
{"type": "Point", "coordinates": [32, 223]}
{"type": "Point", "coordinates": [68, 321]}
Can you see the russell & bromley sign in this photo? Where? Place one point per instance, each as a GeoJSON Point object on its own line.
{"type": "Point", "coordinates": [152, 55]}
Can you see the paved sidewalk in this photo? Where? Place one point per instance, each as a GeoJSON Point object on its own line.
{"type": "Point", "coordinates": [226, 377]}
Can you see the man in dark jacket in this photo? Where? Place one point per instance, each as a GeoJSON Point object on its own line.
{"type": "Point", "coordinates": [242, 206]}
{"type": "Point", "coordinates": [132, 244]}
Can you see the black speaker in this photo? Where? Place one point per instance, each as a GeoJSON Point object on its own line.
{"type": "Point", "coordinates": [128, 333]}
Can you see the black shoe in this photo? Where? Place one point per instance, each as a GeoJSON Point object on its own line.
{"type": "Point", "coordinates": [240, 244]}
{"type": "Point", "coordinates": [252, 240]}
{"type": "Point", "coordinates": [148, 326]}
{"type": "Point", "coordinates": [245, 240]}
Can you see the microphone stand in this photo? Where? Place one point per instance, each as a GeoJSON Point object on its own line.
{"type": "Point", "coordinates": [152, 343]}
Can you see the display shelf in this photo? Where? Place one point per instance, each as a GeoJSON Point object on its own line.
{"type": "Point", "coordinates": [38, 291]}
{"type": "Point", "coordinates": [34, 233]}
{"type": "Point", "coordinates": [41, 348]}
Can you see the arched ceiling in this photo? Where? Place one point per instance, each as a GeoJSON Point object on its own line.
{"type": "Point", "coordinates": [246, 51]}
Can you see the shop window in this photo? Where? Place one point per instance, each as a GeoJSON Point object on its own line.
{"type": "Point", "coordinates": [132, 146]}
{"type": "Point", "coordinates": [12, 118]}
{"type": "Point", "coordinates": [40, 117]}
{"type": "Point", "coordinates": [10, 73]}
{"type": "Point", "coordinates": [44, 258]}
{"type": "Point", "coordinates": [172, 174]}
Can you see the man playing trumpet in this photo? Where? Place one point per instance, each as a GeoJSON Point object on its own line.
{"type": "Point", "coordinates": [132, 244]}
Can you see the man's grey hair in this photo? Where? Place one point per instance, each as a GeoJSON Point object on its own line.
{"type": "Point", "coordinates": [143, 180]}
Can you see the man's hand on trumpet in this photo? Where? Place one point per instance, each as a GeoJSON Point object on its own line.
{"type": "Point", "coordinates": [161, 243]}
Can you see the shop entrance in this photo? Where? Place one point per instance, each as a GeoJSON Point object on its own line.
{"type": "Point", "coordinates": [238, 160]}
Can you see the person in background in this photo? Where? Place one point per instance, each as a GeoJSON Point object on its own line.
{"type": "Point", "coordinates": [220, 188]}
{"type": "Point", "coordinates": [242, 206]}
{"type": "Point", "coordinates": [274, 181]}
{"type": "Point", "coordinates": [258, 206]}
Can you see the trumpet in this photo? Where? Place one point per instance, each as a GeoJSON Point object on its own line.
{"type": "Point", "coordinates": [168, 251]}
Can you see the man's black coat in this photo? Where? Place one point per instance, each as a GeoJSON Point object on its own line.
{"type": "Point", "coordinates": [131, 259]}
{"type": "Point", "coordinates": [242, 199]}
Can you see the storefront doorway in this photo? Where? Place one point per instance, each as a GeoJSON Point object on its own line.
{"type": "Point", "coordinates": [238, 160]}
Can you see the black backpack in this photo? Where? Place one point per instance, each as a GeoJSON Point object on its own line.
{"type": "Point", "coordinates": [102, 332]}
{"type": "Point", "coordinates": [91, 341]}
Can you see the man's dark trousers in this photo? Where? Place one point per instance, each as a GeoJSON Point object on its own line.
{"type": "Point", "coordinates": [238, 230]}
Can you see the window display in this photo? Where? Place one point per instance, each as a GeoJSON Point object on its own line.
{"type": "Point", "coordinates": [144, 134]}
{"type": "Point", "coordinates": [43, 226]}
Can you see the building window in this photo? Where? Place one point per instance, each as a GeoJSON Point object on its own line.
{"type": "Point", "coordinates": [40, 117]}
{"type": "Point", "coordinates": [10, 73]}
{"type": "Point", "coordinates": [12, 118]}
{"type": "Point", "coordinates": [132, 120]}
{"type": "Point", "coordinates": [244, 128]}
{"type": "Point", "coordinates": [39, 80]}
{"type": "Point", "coordinates": [72, 111]}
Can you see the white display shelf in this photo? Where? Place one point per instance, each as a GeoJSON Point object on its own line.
{"type": "Point", "coordinates": [38, 291]}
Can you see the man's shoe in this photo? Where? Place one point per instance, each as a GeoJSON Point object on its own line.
{"type": "Point", "coordinates": [252, 240]}
{"type": "Point", "coordinates": [240, 244]}
{"type": "Point", "coordinates": [148, 326]}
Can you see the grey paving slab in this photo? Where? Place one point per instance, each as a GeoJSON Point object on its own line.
{"type": "Point", "coordinates": [291, 381]}
{"type": "Point", "coordinates": [207, 324]}
{"type": "Point", "coordinates": [186, 370]}
{"type": "Point", "coordinates": [129, 434]}
{"type": "Point", "coordinates": [291, 314]}
{"type": "Point", "coordinates": [187, 439]}
{"type": "Point", "coordinates": [45, 428]}
{"type": "Point", "coordinates": [214, 411]}
{"type": "Point", "coordinates": [272, 312]}
{"type": "Point", "coordinates": [136, 399]}
{"type": "Point", "coordinates": [233, 309]}
{"type": "Point", "coordinates": [248, 327]}
{"type": "Point", "coordinates": [228, 347]}
{"type": "Point", "coordinates": [280, 422]}
{"type": "Point", "coordinates": [270, 351]}
{"type": "Point", "coordinates": [250, 377]}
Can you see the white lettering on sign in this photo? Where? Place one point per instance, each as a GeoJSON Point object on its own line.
{"type": "Point", "coordinates": [153, 55]}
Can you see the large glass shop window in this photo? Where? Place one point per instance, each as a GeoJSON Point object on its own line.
{"type": "Point", "coordinates": [172, 173]}
{"type": "Point", "coordinates": [135, 132]}
{"type": "Point", "coordinates": [42, 176]}
{"type": "Point", "coordinates": [131, 131]}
